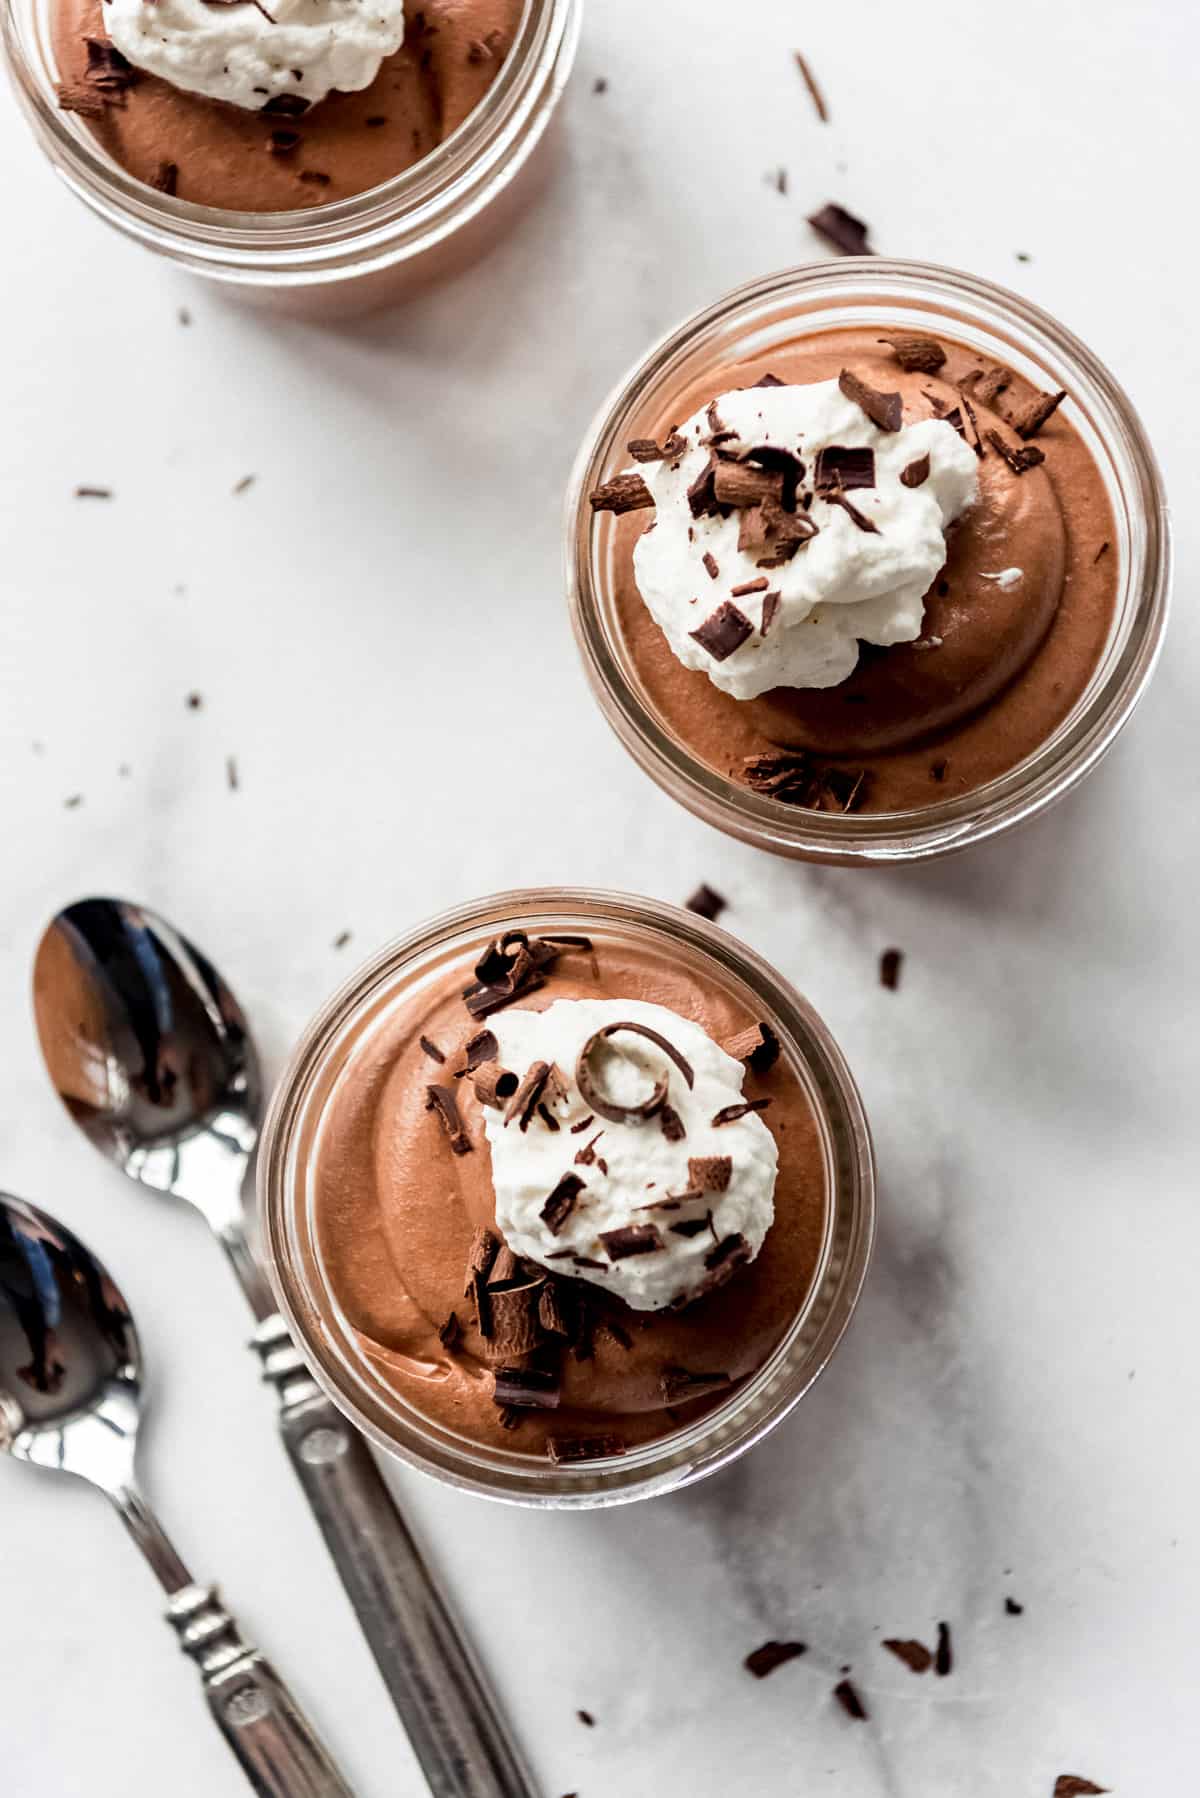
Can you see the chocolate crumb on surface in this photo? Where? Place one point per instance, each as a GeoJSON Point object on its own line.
{"type": "Point", "coordinates": [814, 91]}
{"type": "Point", "coordinates": [890, 963]}
{"type": "Point", "coordinates": [729, 1114]}
{"type": "Point", "coordinates": [944, 1659]}
{"type": "Point", "coordinates": [706, 902]}
{"type": "Point", "coordinates": [93, 493]}
{"type": "Point", "coordinates": [599, 86]}
{"type": "Point", "coordinates": [915, 351]}
{"type": "Point", "coordinates": [916, 1657]}
{"type": "Point", "coordinates": [73, 801]}
{"type": "Point", "coordinates": [1073, 1785]}
{"type": "Point", "coordinates": [624, 493]}
{"type": "Point", "coordinates": [341, 939]}
{"type": "Point", "coordinates": [1013, 1609]}
{"type": "Point", "coordinates": [841, 229]}
{"type": "Point", "coordinates": [763, 1661]}
{"type": "Point", "coordinates": [847, 1696]}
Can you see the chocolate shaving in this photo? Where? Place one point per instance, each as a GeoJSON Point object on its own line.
{"type": "Point", "coordinates": [837, 498]}
{"type": "Point", "coordinates": [1103, 549]}
{"type": "Point", "coordinates": [506, 1269]}
{"type": "Point", "coordinates": [943, 1660]}
{"type": "Point", "coordinates": [510, 1419]}
{"type": "Point", "coordinates": [450, 1335]}
{"type": "Point", "coordinates": [914, 351]}
{"type": "Point", "coordinates": [671, 1124]}
{"type": "Point", "coordinates": [769, 380]}
{"type": "Point", "coordinates": [841, 229]}
{"type": "Point", "coordinates": [442, 1100]}
{"type": "Point", "coordinates": [840, 468]}
{"type": "Point", "coordinates": [625, 493]}
{"type": "Point", "coordinates": [886, 410]}
{"type": "Point", "coordinates": [1073, 1785]}
{"type": "Point", "coordinates": [1017, 459]}
{"type": "Point", "coordinates": [645, 449]}
{"type": "Point", "coordinates": [532, 1388]}
{"type": "Point", "coordinates": [494, 1085]}
{"type": "Point", "coordinates": [764, 1660]}
{"type": "Point", "coordinates": [770, 606]}
{"type": "Point", "coordinates": [511, 966]}
{"type": "Point", "coordinates": [1013, 1609]}
{"type": "Point", "coordinates": [847, 1696]}
{"type": "Point", "coordinates": [677, 1385]}
{"type": "Point", "coordinates": [1030, 419]}
{"type": "Point", "coordinates": [757, 1046]}
{"type": "Point", "coordinates": [692, 1226]}
{"type": "Point", "coordinates": [706, 902]}
{"type": "Point", "coordinates": [631, 1239]}
{"type": "Point", "coordinates": [794, 778]}
{"type": "Point", "coordinates": [524, 1101]}
{"type": "Point", "coordinates": [579, 1128]}
{"type": "Point", "coordinates": [938, 770]}
{"type": "Point", "coordinates": [814, 92]}
{"type": "Point", "coordinates": [548, 1118]}
{"type": "Point", "coordinates": [587, 1154]}
{"type": "Point", "coordinates": [759, 585]}
{"type": "Point", "coordinates": [889, 968]}
{"type": "Point", "coordinates": [987, 384]}
{"type": "Point", "coordinates": [916, 1657]}
{"type": "Point", "coordinates": [314, 177]}
{"type": "Point", "coordinates": [552, 1313]}
{"type": "Point", "coordinates": [617, 1114]}
{"type": "Point", "coordinates": [701, 495]}
{"type": "Point", "coordinates": [107, 69]}
{"type": "Point", "coordinates": [711, 564]}
{"type": "Point", "coordinates": [561, 1203]}
{"type": "Point", "coordinates": [729, 1114]}
{"type": "Point", "coordinates": [917, 473]}
{"type": "Point", "coordinates": [731, 1248]}
{"type": "Point", "coordinates": [516, 1325]}
{"type": "Point", "coordinates": [283, 141]}
{"type": "Point", "coordinates": [77, 97]}
{"type": "Point", "coordinates": [739, 484]}
{"type": "Point", "coordinates": [723, 631]}
{"type": "Point", "coordinates": [485, 1246]}
{"type": "Point", "coordinates": [481, 1047]}
{"type": "Point", "coordinates": [430, 1049]}
{"type": "Point", "coordinates": [710, 1173]}
{"type": "Point", "coordinates": [166, 178]}
{"type": "Point", "coordinates": [286, 106]}
{"type": "Point", "coordinates": [566, 1450]}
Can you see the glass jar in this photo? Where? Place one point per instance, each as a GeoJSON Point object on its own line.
{"type": "Point", "coordinates": [1000, 326]}
{"type": "Point", "coordinates": [329, 1343]}
{"type": "Point", "coordinates": [352, 254]}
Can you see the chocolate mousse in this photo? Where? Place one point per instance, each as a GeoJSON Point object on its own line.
{"type": "Point", "coordinates": [872, 569]}
{"type": "Point", "coordinates": [568, 1195]}
{"type": "Point", "coordinates": [247, 131]}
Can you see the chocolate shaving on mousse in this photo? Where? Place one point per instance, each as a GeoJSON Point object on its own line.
{"type": "Point", "coordinates": [430, 1049]}
{"type": "Point", "coordinates": [710, 1173]}
{"type": "Point", "coordinates": [512, 965]}
{"type": "Point", "coordinates": [757, 1046]}
{"type": "Point", "coordinates": [451, 1334]}
{"type": "Point", "coordinates": [605, 1108]}
{"type": "Point", "coordinates": [485, 1246]}
{"type": "Point", "coordinates": [943, 1660]}
{"type": "Point", "coordinates": [1103, 549]}
{"type": "Point", "coordinates": [939, 769]}
{"type": "Point", "coordinates": [567, 1450]}
{"type": "Point", "coordinates": [516, 1326]}
{"type": "Point", "coordinates": [916, 352]}
{"type": "Point", "coordinates": [314, 178]}
{"type": "Point", "coordinates": [552, 1310]}
{"type": "Point", "coordinates": [723, 631]}
{"type": "Point", "coordinates": [764, 1660]}
{"type": "Point", "coordinates": [706, 902]}
{"type": "Point", "coordinates": [847, 1696]}
{"type": "Point", "coordinates": [166, 178]}
{"type": "Point", "coordinates": [495, 1086]}
{"type": "Point", "coordinates": [646, 449]}
{"type": "Point", "coordinates": [987, 384]}
{"type": "Point", "coordinates": [711, 564]}
{"type": "Point", "coordinates": [889, 968]}
{"type": "Point", "coordinates": [1029, 456]}
{"type": "Point", "coordinates": [917, 473]}
{"type": "Point", "coordinates": [510, 1419]}
{"type": "Point", "coordinates": [283, 141]}
{"type": "Point", "coordinates": [506, 1269]}
{"type": "Point", "coordinates": [561, 1203]}
{"type": "Point", "coordinates": [107, 69]}
{"type": "Point", "coordinates": [886, 410]}
{"type": "Point", "coordinates": [1073, 1785]}
{"type": "Point", "coordinates": [631, 1239]}
{"type": "Point", "coordinates": [1030, 419]}
{"type": "Point", "coordinates": [677, 1384]}
{"type": "Point", "coordinates": [793, 778]}
{"type": "Point", "coordinates": [691, 1226]}
{"type": "Point", "coordinates": [916, 1657]}
{"type": "Point", "coordinates": [837, 498]}
{"type": "Point", "coordinates": [285, 106]}
{"type": "Point", "coordinates": [843, 469]}
{"type": "Point", "coordinates": [770, 606]}
{"type": "Point", "coordinates": [480, 1048]}
{"type": "Point", "coordinates": [729, 1114]}
{"type": "Point", "coordinates": [77, 97]}
{"type": "Point", "coordinates": [971, 426]}
{"type": "Point", "coordinates": [840, 228]}
{"type": "Point", "coordinates": [442, 1100]}
{"type": "Point", "coordinates": [671, 1124]}
{"type": "Point", "coordinates": [624, 493]}
{"type": "Point", "coordinates": [527, 1388]}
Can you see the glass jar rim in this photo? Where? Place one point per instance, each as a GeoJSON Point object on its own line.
{"type": "Point", "coordinates": [946, 824]}
{"type": "Point", "coordinates": [761, 1401]}
{"type": "Point", "coordinates": [401, 218]}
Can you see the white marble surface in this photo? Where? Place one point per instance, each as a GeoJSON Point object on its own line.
{"type": "Point", "coordinates": [1014, 1410]}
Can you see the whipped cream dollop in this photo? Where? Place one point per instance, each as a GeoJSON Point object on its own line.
{"type": "Point", "coordinates": [862, 573]}
{"type": "Point", "coordinates": [561, 1194]}
{"type": "Point", "coordinates": [254, 52]}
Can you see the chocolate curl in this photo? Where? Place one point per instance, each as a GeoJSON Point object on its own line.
{"type": "Point", "coordinates": [494, 1085]}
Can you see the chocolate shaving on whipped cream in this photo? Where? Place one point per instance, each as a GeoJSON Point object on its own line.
{"type": "Point", "coordinates": [525, 1100]}
{"type": "Point", "coordinates": [917, 472]}
{"type": "Point", "coordinates": [835, 497]}
{"type": "Point", "coordinates": [592, 1094]}
{"type": "Point", "coordinates": [710, 1173]}
{"type": "Point", "coordinates": [723, 631]}
{"type": "Point", "coordinates": [443, 1100]}
{"type": "Point", "coordinates": [885, 410]}
{"type": "Point", "coordinates": [671, 1124]}
{"type": "Point", "coordinates": [841, 468]}
{"type": "Point", "coordinates": [729, 1114]}
{"type": "Point", "coordinates": [631, 1239]}
{"type": "Point", "coordinates": [645, 449]}
{"type": "Point", "coordinates": [561, 1203]}
{"type": "Point", "coordinates": [624, 493]}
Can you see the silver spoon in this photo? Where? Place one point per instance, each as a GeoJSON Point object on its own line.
{"type": "Point", "coordinates": [70, 1399]}
{"type": "Point", "coordinates": [152, 1056]}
